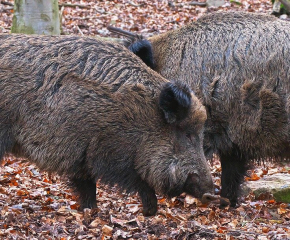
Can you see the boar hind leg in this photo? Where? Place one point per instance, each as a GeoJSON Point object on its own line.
{"type": "Point", "coordinates": [148, 199]}
{"type": "Point", "coordinates": [233, 172]}
{"type": "Point", "coordinates": [6, 142]}
{"type": "Point", "coordinates": [85, 189]}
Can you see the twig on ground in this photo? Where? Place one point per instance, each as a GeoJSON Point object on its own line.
{"type": "Point", "coordinates": [133, 4]}
{"type": "Point", "coordinates": [73, 5]}
{"type": "Point", "coordinates": [201, 4]}
{"type": "Point", "coordinates": [80, 31]}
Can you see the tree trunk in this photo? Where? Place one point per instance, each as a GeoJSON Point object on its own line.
{"type": "Point", "coordinates": [36, 17]}
{"type": "Point", "coordinates": [286, 4]}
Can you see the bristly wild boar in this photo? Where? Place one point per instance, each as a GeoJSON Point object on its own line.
{"type": "Point", "coordinates": [92, 110]}
{"type": "Point", "coordinates": [238, 66]}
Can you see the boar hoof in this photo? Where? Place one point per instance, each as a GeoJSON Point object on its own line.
{"type": "Point", "coordinates": [149, 206]}
{"type": "Point", "coordinates": [149, 211]}
{"type": "Point", "coordinates": [88, 204]}
{"type": "Point", "coordinates": [149, 201]}
{"type": "Point", "coordinates": [85, 189]}
{"type": "Point", "coordinates": [234, 205]}
{"type": "Point", "coordinates": [224, 202]}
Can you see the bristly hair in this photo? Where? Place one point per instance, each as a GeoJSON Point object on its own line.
{"type": "Point", "coordinates": [175, 101]}
{"type": "Point", "coordinates": [143, 49]}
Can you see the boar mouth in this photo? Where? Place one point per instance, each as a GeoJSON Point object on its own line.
{"type": "Point", "coordinates": [198, 189]}
{"type": "Point", "coordinates": [192, 186]}
{"type": "Point", "coordinates": [193, 190]}
{"type": "Point", "coordinates": [173, 192]}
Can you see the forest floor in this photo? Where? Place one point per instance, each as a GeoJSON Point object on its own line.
{"type": "Point", "coordinates": [35, 205]}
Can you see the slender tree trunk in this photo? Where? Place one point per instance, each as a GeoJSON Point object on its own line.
{"type": "Point", "coordinates": [36, 17]}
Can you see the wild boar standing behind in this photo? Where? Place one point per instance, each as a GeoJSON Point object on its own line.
{"type": "Point", "coordinates": [238, 65]}
{"type": "Point", "coordinates": [92, 110]}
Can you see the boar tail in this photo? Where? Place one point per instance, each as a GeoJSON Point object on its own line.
{"type": "Point", "coordinates": [132, 37]}
{"type": "Point", "coordinates": [143, 49]}
{"type": "Point", "coordinates": [137, 45]}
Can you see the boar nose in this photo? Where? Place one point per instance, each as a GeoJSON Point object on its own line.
{"type": "Point", "coordinates": [208, 197]}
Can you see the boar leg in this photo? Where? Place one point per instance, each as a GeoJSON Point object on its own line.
{"type": "Point", "coordinates": [6, 142]}
{"type": "Point", "coordinates": [233, 172]}
{"type": "Point", "coordinates": [149, 200]}
{"type": "Point", "coordinates": [85, 189]}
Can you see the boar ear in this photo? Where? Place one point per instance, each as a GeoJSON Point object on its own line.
{"type": "Point", "coordinates": [143, 49]}
{"type": "Point", "coordinates": [175, 101]}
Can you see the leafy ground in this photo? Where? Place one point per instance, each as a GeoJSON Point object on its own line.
{"type": "Point", "coordinates": [34, 205]}
{"type": "Point", "coordinates": [146, 16]}
{"type": "Point", "coordinates": [37, 206]}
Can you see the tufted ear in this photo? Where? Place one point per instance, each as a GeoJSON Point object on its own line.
{"type": "Point", "coordinates": [175, 101]}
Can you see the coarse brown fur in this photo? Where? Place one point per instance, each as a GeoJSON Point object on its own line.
{"type": "Point", "coordinates": [92, 110]}
{"type": "Point", "coordinates": [238, 65]}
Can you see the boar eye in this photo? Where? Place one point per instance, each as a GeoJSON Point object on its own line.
{"type": "Point", "coordinates": [188, 135]}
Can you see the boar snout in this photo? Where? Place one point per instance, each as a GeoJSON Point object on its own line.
{"type": "Point", "coordinates": [208, 197]}
{"type": "Point", "coordinates": [199, 186]}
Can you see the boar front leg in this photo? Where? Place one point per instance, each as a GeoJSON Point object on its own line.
{"type": "Point", "coordinates": [85, 189]}
{"type": "Point", "coordinates": [233, 172]}
{"type": "Point", "coordinates": [149, 200]}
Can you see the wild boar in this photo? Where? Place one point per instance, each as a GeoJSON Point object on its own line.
{"type": "Point", "coordinates": [238, 66]}
{"type": "Point", "coordinates": [90, 110]}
